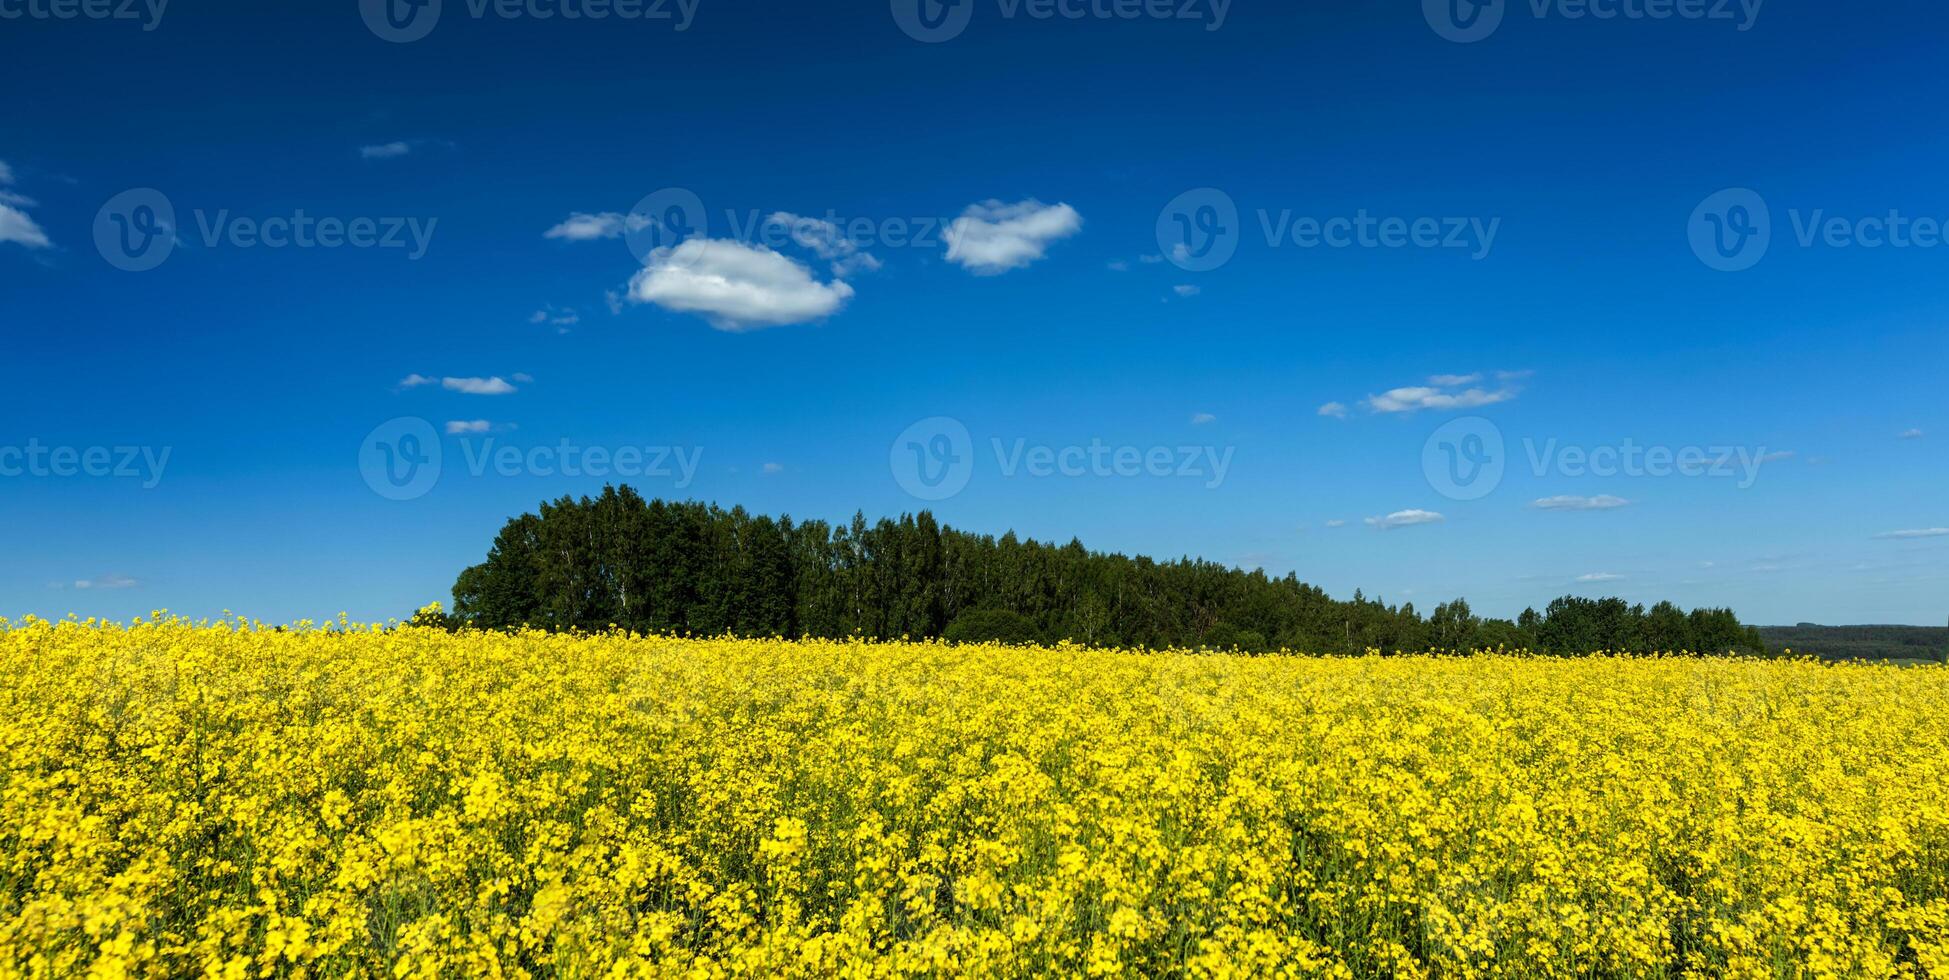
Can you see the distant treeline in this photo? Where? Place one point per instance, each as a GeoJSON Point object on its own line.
{"type": "Point", "coordinates": [656, 566]}
{"type": "Point", "coordinates": [1860, 642]}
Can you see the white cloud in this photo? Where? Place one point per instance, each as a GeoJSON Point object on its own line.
{"type": "Point", "coordinates": [1336, 523]}
{"type": "Point", "coordinates": [15, 225]}
{"type": "Point", "coordinates": [1927, 532]}
{"type": "Point", "coordinates": [992, 238]}
{"type": "Point", "coordinates": [470, 427]}
{"type": "Point", "coordinates": [561, 320]}
{"type": "Point", "coordinates": [1150, 259]}
{"type": "Point", "coordinates": [1599, 577]}
{"type": "Point", "coordinates": [1119, 265]}
{"type": "Point", "coordinates": [1912, 434]}
{"type": "Point", "coordinates": [614, 299]}
{"type": "Point", "coordinates": [385, 151]}
{"type": "Point", "coordinates": [735, 286]}
{"type": "Point", "coordinates": [580, 227]}
{"type": "Point", "coordinates": [1405, 518]}
{"type": "Point", "coordinates": [773, 469]}
{"type": "Point", "coordinates": [1334, 410]}
{"type": "Point", "coordinates": [1507, 376]}
{"type": "Point", "coordinates": [466, 386]}
{"type": "Point", "coordinates": [1567, 502]}
{"type": "Point", "coordinates": [1186, 290]}
{"type": "Point", "coordinates": [1203, 418]}
{"type": "Point", "coordinates": [1776, 457]}
{"type": "Point", "coordinates": [1415, 399]}
{"type": "Point", "coordinates": [110, 581]}
{"type": "Point", "coordinates": [1454, 380]}
{"type": "Point", "coordinates": [825, 239]}
{"type": "Point", "coordinates": [521, 377]}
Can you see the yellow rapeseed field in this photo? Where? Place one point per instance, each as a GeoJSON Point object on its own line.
{"type": "Point", "coordinates": [230, 800]}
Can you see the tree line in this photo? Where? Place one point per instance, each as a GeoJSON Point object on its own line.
{"type": "Point", "coordinates": [687, 567]}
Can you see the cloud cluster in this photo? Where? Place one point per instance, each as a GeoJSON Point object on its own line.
{"type": "Point", "coordinates": [991, 238]}
{"type": "Point", "coordinates": [826, 240]}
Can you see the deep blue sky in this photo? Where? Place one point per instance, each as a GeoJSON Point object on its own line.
{"type": "Point", "coordinates": [1587, 144]}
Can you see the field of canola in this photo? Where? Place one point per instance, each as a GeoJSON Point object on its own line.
{"type": "Point", "coordinates": [233, 801]}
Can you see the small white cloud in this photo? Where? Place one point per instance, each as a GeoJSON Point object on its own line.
{"type": "Point", "coordinates": [1454, 380]}
{"type": "Point", "coordinates": [110, 581]}
{"type": "Point", "coordinates": [735, 286]}
{"type": "Point", "coordinates": [470, 427]}
{"type": "Point", "coordinates": [466, 386]}
{"type": "Point", "coordinates": [1507, 376]}
{"type": "Point", "coordinates": [1912, 434]}
{"type": "Point", "coordinates": [15, 225]}
{"type": "Point", "coordinates": [773, 469]}
{"type": "Point", "coordinates": [18, 228]}
{"type": "Point", "coordinates": [477, 386]}
{"type": "Point", "coordinates": [580, 227]}
{"type": "Point", "coordinates": [1119, 265]}
{"type": "Point", "coordinates": [561, 320]}
{"type": "Point", "coordinates": [1333, 410]}
{"type": "Point", "coordinates": [385, 151]}
{"type": "Point", "coordinates": [1415, 399]}
{"type": "Point", "coordinates": [1336, 523]}
{"type": "Point", "coordinates": [1405, 518]}
{"type": "Point", "coordinates": [991, 238]}
{"type": "Point", "coordinates": [1568, 502]}
{"type": "Point", "coordinates": [1776, 457]}
{"type": "Point", "coordinates": [1150, 259]}
{"type": "Point", "coordinates": [522, 377]}
{"type": "Point", "coordinates": [613, 298]}
{"type": "Point", "coordinates": [1599, 577]}
{"type": "Point", "coordinates": [1203, 418]}
{"type": "Point", "coordinates": [1186, 290]}
{"type": "Point", "coordinates": [1927, 532]}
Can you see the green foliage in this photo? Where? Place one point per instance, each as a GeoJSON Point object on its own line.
{"type": "Point", "coordinates": [657, 566]}
{"type": "Point", "coordinates": [991, 626]}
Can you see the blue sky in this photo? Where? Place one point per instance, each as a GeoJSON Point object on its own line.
{"type": "Point", "coordinates": [1264, 283]}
